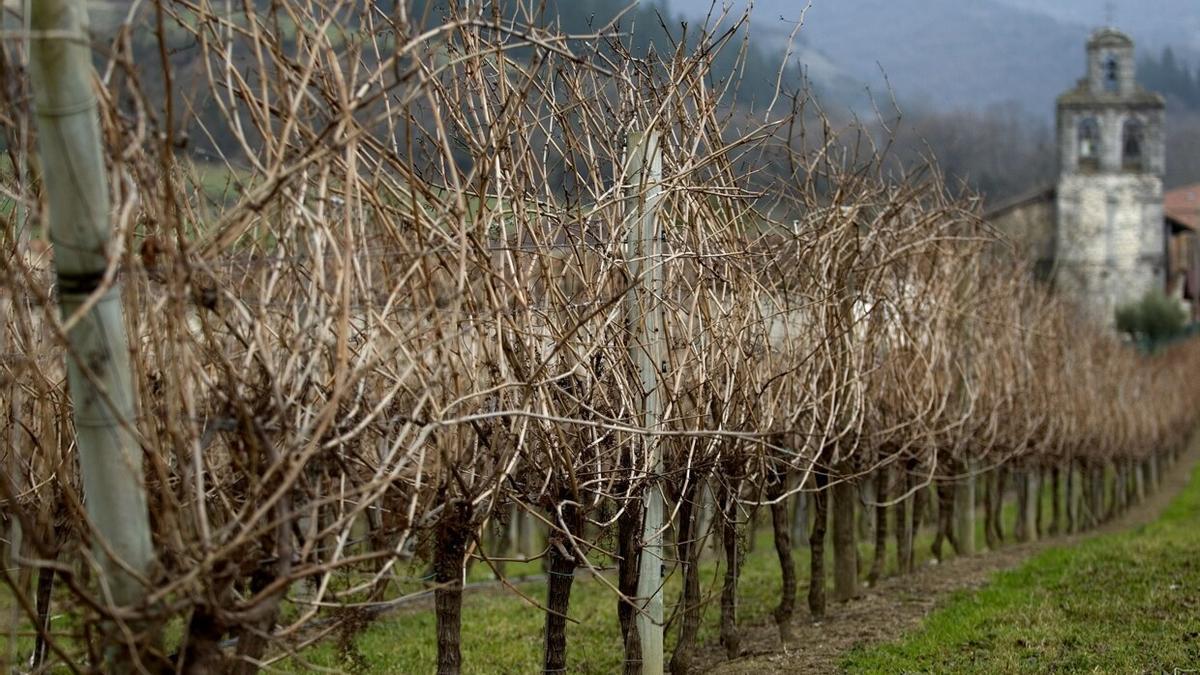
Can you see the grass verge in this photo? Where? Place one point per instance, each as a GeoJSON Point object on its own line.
{"type": "Point", "coordinates": [1126, 602]}
{"type": "Point", "coordinates": [503, 634]}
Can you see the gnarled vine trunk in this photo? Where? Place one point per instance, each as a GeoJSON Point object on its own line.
{"type": "Point", "coordinates": [730, 638]}
{"type": "Point", "coordinates": [45, 587]}
{"type": "Point", "coordinates": [561, 576]}
{"type": "Point", "coordinates": [816, 544]}
{"type": "Point", "coordinates": [990, 496]}
{"type": "Point", "coordinates": [629, 534]}
{"type": "Point", "coordinates": [845, 541]}
{"type": "Point", "coordinates": [451, 539]}
{"type": "Point", "coordinates": [1026, 528]}
{"type": "Point", "coordinates": [905, 522]}
{"type": "Point", "coordinates": [882, 492]}
{"type": "Point", "coordinates": [1001, 479]}
{"type": "Point", "coordinates": [1055, 501]}
{"type": "Point", "coordinates": [964, 511]}
{"type": "Point", "coordinates": [786, 609]}
{"type": "Point", "coordinates": [945, 521]}
{"type": "Point", "coordinates": [688, 545]}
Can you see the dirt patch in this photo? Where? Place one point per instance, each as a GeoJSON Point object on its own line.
{"type": "Point", "coordinates": [898, 604]}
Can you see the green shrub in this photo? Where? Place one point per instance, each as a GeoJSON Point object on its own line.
{"type": "Point", "coordinates": [1156, 317]}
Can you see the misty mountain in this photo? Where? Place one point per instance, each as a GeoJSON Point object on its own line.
{"type": "Point", "coordinates": [967, 53]}
{"type": "Point", "coordinates": [1155, 23]}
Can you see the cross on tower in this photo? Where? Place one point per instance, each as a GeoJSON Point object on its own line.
{"type": "Point", "coordinates": [1109, 10]}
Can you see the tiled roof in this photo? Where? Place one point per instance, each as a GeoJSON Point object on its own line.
{"type": "Point", "coordinates": [1183, 206]}
{"type": "Point", "coordinates": [1038, 194]}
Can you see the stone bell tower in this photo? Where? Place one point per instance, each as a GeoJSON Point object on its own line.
{"type": "Point", "coordinates": [1111, 241]}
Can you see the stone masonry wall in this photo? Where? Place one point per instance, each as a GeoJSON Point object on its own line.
{"type": "Point", "coordinates": [1111, 243]}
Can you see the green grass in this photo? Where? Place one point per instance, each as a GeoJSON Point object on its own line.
{"type": "Point", "coordinates": [220, 185]}
{"type": "Point", "coordinates": [19, 641]}
{"type": "Point", "coordinates": [503, 634]}
{"type": "Point", "coordinates": [1127, 602]}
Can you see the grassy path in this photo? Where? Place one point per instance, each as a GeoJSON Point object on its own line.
{"type": "Point", "coordinates": [1121, 602]}
{"type": "Point", "coordinates": [503, 634]}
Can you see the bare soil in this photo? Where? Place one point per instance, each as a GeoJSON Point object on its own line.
{"type": "Point", "coordinates": [898, 605]}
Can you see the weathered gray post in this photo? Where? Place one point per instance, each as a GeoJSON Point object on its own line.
{"type": "Point", "coordinates": [98, 363]}
{"type": "Point", "coordinates": [648, 350]}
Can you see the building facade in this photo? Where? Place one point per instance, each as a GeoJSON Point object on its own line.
{"type": "Point", "coordinates": [1110, 243]}
{"type": "Point", "coordinates": [1182, 209]}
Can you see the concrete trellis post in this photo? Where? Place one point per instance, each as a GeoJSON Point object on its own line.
{"type": "Point", "coordinates": [643, 169]}
{"type": "Point", "coordinates": [98, 370]}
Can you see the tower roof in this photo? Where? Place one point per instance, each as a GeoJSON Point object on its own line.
{"type": "Point", "coordinates": [1109, 37]}
{"type": "Point", "coordinates": [1082, 96]}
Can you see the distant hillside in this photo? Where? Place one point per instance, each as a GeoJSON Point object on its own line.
{"type": "Point", "coordinates": [646, 25]}
{"type": "Point", "coordinates": [646, 28]}
{"type": "Point", "coordinates": [969, 53]}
